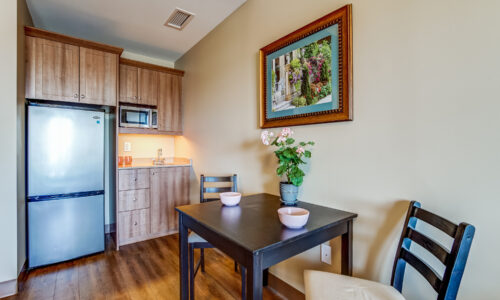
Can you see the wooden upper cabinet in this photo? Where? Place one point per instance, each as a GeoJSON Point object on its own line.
{"type": "Point", "coordinates": [128, 84]}
{"type": "Point", "coordinates": [98, 77]}
{"type": "Point", "coordinates": [65, 68]}
{"type": "Point", "coordinates": [148, 87]}
{"type": "Point", "coordinates": [52, 70]}
{"type": "Point", "coordinates": [169, 103]}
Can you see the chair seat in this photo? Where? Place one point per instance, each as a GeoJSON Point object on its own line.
{"type": "Point", "coordinates": [324, 285]}
{"type": "Point", "coordinates": [195, 238]}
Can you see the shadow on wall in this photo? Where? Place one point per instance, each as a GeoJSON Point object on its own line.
{"type": "Point", "coordinates": [380, 240]}
{"type": "Point", "coordinates": [194, 186]}
{"type": "Point", "coordinates": [265, 155]}
{"type": "Point", "coordinates": [266, 160]}
{"type": "Point", "coordinates": [383, 241]}
{"type": "Point", "coordinates": [257, 87]}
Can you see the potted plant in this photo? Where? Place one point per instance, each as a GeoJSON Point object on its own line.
{"type": "Point", "coordinates": [289, 156]}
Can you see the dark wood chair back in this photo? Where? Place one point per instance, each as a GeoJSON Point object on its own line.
{"type": "Point", "coordinates": [204, 190]}
{"type": "Point", "coordinates": [453, 259]}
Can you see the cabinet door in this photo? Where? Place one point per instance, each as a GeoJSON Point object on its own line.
{"type": "Point", "coordinates": [148, 87]}
{"type": "Point", "coordinates": [128, 84]}
{"type": "Point", "coordinates": [169, 103]}
{"type": "Point", "coordinates": [98, 75]}
{"type": "Point", "coordinates": [52, 70]}
{"type": "Point", "coordinates": [159, 200]}
{"type": "Point", "coordinates": [169, 188]}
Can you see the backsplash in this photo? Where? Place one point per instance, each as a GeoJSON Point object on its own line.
{"type": "Point", "coordinates": [145, 145]}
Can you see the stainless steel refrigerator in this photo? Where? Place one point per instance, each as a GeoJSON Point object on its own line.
{"type": "Point", "coordinates": [65, 170]}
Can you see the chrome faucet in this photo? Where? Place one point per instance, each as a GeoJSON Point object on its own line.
{"type": "Point", "coordinates": [159, 155]}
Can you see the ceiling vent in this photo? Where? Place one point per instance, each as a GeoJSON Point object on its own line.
{"type": "Point", "coordinates": [179, 19]}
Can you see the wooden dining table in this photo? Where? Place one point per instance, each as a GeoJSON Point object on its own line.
{"type": "Point", "coordinates": [252, 234]}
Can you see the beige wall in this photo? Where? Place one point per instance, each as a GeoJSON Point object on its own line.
{"type": "Point", "coordinates": [8, 96]}
{"type": "Point", "coordinates": [23, 18]}
{"type": "Point", "coordinates": [146, 145]}
{"type": "Point", "coordinates": [425, 124]}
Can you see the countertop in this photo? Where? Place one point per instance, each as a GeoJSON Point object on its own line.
{"type": "Point", "coordinates": [141, 163]}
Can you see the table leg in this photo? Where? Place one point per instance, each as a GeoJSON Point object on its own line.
{"type": "Point", "coordinates": [254, 279]}
{"type": "Point", "coordinates": [183, 259]}
{"type": "Point", "coordinates": [346, 268]}
{"type": "Point", "coordinates": [265, 277]}
{"type": "Point", "coordinates": [243, 282]}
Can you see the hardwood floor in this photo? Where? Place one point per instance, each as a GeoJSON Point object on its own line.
{"type": "Point", "coordinates": [145, 270]}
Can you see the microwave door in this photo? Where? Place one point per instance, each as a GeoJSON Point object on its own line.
{"type": "Point", "coordinates": [131, 117]}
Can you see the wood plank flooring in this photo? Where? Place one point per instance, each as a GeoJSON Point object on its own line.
{"type": "Point", "coordinates": [145, 270]}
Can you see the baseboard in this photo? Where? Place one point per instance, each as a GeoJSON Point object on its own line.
{"type": "Point", "coordinates": [284, 289]}
{"type": "Point", "coordinates": [109, 228]}
{"type": "Point", "coordinates": [8, 288]}
{"type": "Point", "coordinates": [21, 279]}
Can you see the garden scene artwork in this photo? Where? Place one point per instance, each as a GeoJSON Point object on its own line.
{"type": "Point", "coordinates": [305, 76]}
{"type": "Point", "coordinates": [302, 77]}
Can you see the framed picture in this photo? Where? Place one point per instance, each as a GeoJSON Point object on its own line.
{"type": "Point", "coordinates": [306, 76]}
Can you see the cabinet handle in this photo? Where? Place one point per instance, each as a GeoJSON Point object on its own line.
{"type": "Point", "coordinates": [135, 199]}
{"type": "Point", "coordinates": [75, 95]}
{"type": "Point", "coordinates": [135, 223]}
{"type": "Point", "coordinates": [83, 96]}
{"type": "Point", "coordinates": [135, 179]}
{"type": "Point", "coordinates": [135, 97]}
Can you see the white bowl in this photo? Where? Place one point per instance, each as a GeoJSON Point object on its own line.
{"type": "Point", "coordinates": [230, 198]}
{"type": "Point", "coordinates": [293, 217]}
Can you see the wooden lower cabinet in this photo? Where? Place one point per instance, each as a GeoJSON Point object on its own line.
{"type": "Point", "coordinates": [146, 202]}
{"type": "Point", "coordinates": [133, 179]}
{"type": "Point", "coordinates": [133, 199]}
{"type": "Point", "coordinates": [134, 225]}
{"type": "Point", "coordinates": [169, 188]}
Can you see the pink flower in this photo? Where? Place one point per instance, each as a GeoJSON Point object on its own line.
{"type": "Point", "coordinates": [286, 132]}
{"type": "Point", "coordinates": [300, 150]}
{"type": "Point", "coordinates": [264, 136]}
{"type": "Point", "coordinates": [281, 139]}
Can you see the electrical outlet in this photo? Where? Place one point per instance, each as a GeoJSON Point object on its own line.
{"type": "Point", "coordinates": [127, 147]}
{"type": "Point", "coordinates": [326, 254]}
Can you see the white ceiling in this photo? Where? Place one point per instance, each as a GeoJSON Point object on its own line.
{"type": "Point", "coordinates": [135, 25]}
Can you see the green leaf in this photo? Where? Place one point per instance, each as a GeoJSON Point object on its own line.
{"type": "Point", "coordinates": [302, 144]}
{"type": "Point", "coordinates": [307, 153]}
{"type": "Point", "coordinates": [281, 170]}
{"type": "Point", "coordinates": [290, 141]}
{"type": "Point", "coordinates": [289, 153]}
{"type": "Point", "coordinates": [297, 181]}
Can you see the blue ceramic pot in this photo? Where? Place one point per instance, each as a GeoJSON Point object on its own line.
{"type": "Point", "coordinates": [288, 193]}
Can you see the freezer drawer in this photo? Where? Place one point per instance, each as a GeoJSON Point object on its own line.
{"type": "Point", "coordinates": [64, 229]}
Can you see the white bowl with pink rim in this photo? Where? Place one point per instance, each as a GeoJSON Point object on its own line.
{"type": "Point", "coordinates": [230, 198]}
{"type": "Point", "coordinates": [293, 217]}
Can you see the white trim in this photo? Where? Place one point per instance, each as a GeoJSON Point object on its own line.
{"type": "Point", "coordinates": [8, 288]}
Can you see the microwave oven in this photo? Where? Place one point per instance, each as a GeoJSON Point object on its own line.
{"type": "Point", "coordinates": [138, 117]}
